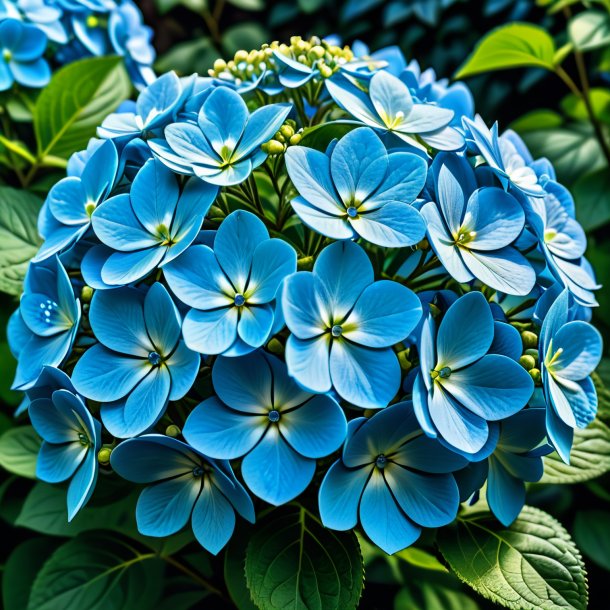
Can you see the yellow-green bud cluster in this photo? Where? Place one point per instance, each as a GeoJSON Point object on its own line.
{"type": "Point", "coordinates": [287, 135]}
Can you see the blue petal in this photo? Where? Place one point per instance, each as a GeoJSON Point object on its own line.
{"type": "Point", "coordinates": [67, 200]}
{"type": "Point", "coordinates": [183, 367]}
{"type": "Point", "coordinates": [390, 96]}
{"type": "Point", "coordinates": [222, 118]}
{"type": "Point", "coordinates": [581, 346]}
{"type": "Point", "coordinates": [428, 455]}
{"type": "Point", "coordinates": [454, 183]}
{"type": "Point", "coordinates": [233, 490]}
{"type": "Point", "coordinates": [190, 147]}
{"type": "Point", "coordinates": [123, 268]}
{"type": "Point", "coordinates": [273, 260]}
{"type": "Point", "coordinates": [57, 463]}
{"type": "Point", "coordinates": [255, 324]}
{"type": "Point", "coordinates": [162, 319]}
{"type": "Point", "coordinates": [507, 341]}
{"type": "Point", "coordinates": [570, 401]}
{"type": "Point", "coordinates": [316, 428]}
{"type": "Point", "coordinates": [466, 332]}
{"type": "Point", "coordinates": [420, 406]}
{"type": "Point", "coordinates": [382, 520]}
{"type": "Point", "coordinates": [505, 494]}
{"type": "Point", "coordinates": [82, 484]}
{"type": "Point", "coordinates": [193, 205]}
{"type": "Point", "coordinates": [55, 420]}
{"type": "Point", "coordinates": [210, 332]}
{"type": "Point", "coordinates": [33, 308]}
{"type": "Point", "coordinates": [274, 472]}
{"type": "Point", "coordinates": [165, 508]}
{"type": "Point", "coordinates": [326, 224]}
{"type": "Point", "coordinates": [560, 434]}
{"type": "Point", "coordinates": [340, 494]}
{"type": "Point", "coordinates": [223, 433]}
{"type": "Point", "coordinates": [354, 100]}
{"type": "Point", "coordinates": [365, 377]}
{"type": "Point", "coordinates": [523, 431]}
{"type": "Point", "coordinates": [213, 518]}
{"type": "Point", "coordinates": [155, 102]}
{"type": "Point", "coordinates": [303, 307]}
{"type": "Point", "coordinates": [308, 362]}
{"type": "Point", "coordinates": [261, 126]}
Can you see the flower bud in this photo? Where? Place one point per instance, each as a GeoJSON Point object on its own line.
{"type": "Point", "coordinates": [530, 339]}
{"type": "Point", "coordinates": [527, 362]}
{"type": "Point", "coordinates": [316, 52]}
{"type": "Point", "coordinates": [240, 56]}
{"type": "Point", "coordinates": [287, 131]}
{"type": "Point", "coordinates": [325, 71]}
{"type": "Point", "coordinates": [86, 294]}
{"type": "Point", "coordinates": [295, 139]}
{"type": "Point", "coordinates": [103, 456]}
{"type": "Point", "coordinates": [273, 147]}
{"type": "Point", "coordinates": [275, 347]}
{"type": "Point", "coordinates": [173, 431]}
{"type": "Point", "coordinates": [535, 374]}
{"type": "Point", "coordinates": [220, 65]}
{"type": "Point", "coordinates": [533, 353]}
{"type": "Point", "coordinates": [403, 359]}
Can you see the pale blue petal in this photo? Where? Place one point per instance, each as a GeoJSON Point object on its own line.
{"type": "Point", "coordinates": [329, 225]}
{"type": "Point", "coordinates": [507, 341]}
{"type": "Point", "coordinates": [302, 305]}
{"type": "Point", "coordinates": [57, 463]}
{"type": "Point", "coordinates": [354, 100]}
{"type": "Point", "coordinates": [390, 96]}
{"type": "Point", "coordinates": [581, 346]}
{"type": "Point", "coordinates": [505, 494]}
{"type": "Point", "coordinates": [428, 455]}
{"type": "Point", "coordinates": [82, 484]}
{"type": "Point", "coordinates": [162, 319]}
{"type": "Point", "coordinates": [454, 184]}
{"type": "Point", "coordinates": [222, 118]}
{"type": "Point", "coordinates": [183, 366]}
{"type": "Point", "coordinates": [308, 362]}
{"type": "Point", "coordinates": [261, 126]}
{"type": "Point", "coordinates": [213, 518]}
{"type": "Point", "coordinates": [123, 268]}
{"type": "Point", "coordinates": [273, 260]}
{"type": "Point", "coordinates": [210, 332]}
{"type": "Point", "coordinates": [560, 434]}
{"type": "Point", "coordinates": [255, 324]}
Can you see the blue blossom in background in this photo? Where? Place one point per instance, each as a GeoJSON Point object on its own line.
{"type": "Point", "coordinates": [22, 47]}
{"type": "Point", "coordinates": [152, 225]}
{"type": "Point", "coordinates": [71, 440]}
{"type": "Point", "coordinates": [42, 331]}
{"type": "Point", "coordinates": [392, 478]}
{"type": "Point", "coordinates": [517, 459]}
{"type": "Point", "coordinates": [471, 230]}
{"type": "Point", "coordinates": [343, 325]}
{"type": "Point", "coordinates": [359, 190]}
{"type": "Point", "coordinates": [262, 414]}
{"type": "Point", "coordinates": [570, 350]}
{"type": "Point", "coordinates": [45, 17]}
{"type": "Point", "coordinates": [231, 288]}
{"type": "Point", "coordinates": [140, 361]}
{"type": "Point", "coordinates": [66, 214]}
{"type": "Point", "coordinates": [184, 486]}
{"type": "Point", "coordinates": [461, 386]}
{"type": "Point", "coordinates": [502, 157]}
{"type": "Point", "coordinates": [225, 145]}
{"type": "Point", "coordinates": [389, 108]}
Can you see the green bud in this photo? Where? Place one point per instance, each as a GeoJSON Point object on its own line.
{"type": "Point", "coordinates": [86, 294]}
{"type": "Point", "coordinates": [530, 339]}
{"type": "Point", "coordinates": [287, 131]}
{"type": "Point", "coordinates": [295, 139]}
{"type": "Point", "coordinates": [325, 71]}
{"type": "Point", "coordinates": [535, 375]}
{"type": "Point", "coordinates": [240, 56]}
{"type": "Point", "coordinates": [275, 347]}
{"type": "Point", "coordinates": [173, 431]}
{"type": "Point", "coordinates": [424, 244]}
{"type": "Point", "coordinates": [527, 362]}
{"type": "Point", "coordinates": [273, 147]}
{"type": "Point", "coordinates": [103, 456]}
{"type": "Point", "coordinates": [533, 353]}
{"type": "Point", "coordinates": [317, 52]}
{"type": "Point", "coordinates": [220, 65]}
{"type": "Point", "coordinates": [292, 123]}
{"type": "Point", "coordinates": [279, 137]}
{"type": "Point", "coordinates": [403, 359]}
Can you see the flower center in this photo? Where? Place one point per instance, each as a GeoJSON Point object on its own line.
{"type": "Point", "coordinates": [154, 358]}
{"type": "Point", "coordinates": [381, 461]}
{"type": "Point", "coordinates": [274, 416]}
{"type": "Point", "coordinates": [464, 236]}
{"type": "Point", "coordinates": [336, 330]}
{"type": "Point", "coordinates": [239, 300]}
{"type": "Point", "coordinates": [7, 55]}
{"type": "Point", "coordinates": [198, 471]}
{"type": "Point", "coordinates": [164, 236]}
{"type": "Point", "coordinates": [444, 373]}
{"type": "Point", "coordinates": [92, 21]}
{"type": "Point", "coordinates": [83, 440]}
{"type": "Point", "coordinates": [90, 207]}
{"type": "Point", "coordinates": [352, 212]}
{"type": "Point", "coordinates": [549, 235]}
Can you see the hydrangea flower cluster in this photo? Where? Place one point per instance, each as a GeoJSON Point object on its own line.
{"type": "Point", "coordinates": [34, 32]}
{"type": "Point", "coordinates": [312, 275]}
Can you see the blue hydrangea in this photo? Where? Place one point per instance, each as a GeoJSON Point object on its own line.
{"type": "Point", "coordinates": [71, 440]}
{"type": "Point", "coordinates": [183, 486]}
{"type": "Point", "coordinates": [232, 287]}
{"type": "Point", "coordinates": [392, 479]}
{"type": "Point", "coordinates": [140, 362]}
{"type": "Point", "coordinates": [343, 325]}
{"type": "Point", "coordinates": [262, 414]}
{"type": "Point", "coordinates": [359, 190]}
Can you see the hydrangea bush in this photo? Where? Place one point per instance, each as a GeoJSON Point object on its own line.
{"type": "Point", "coordinates": [312, 278]}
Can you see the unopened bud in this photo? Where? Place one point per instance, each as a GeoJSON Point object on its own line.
{"type": "Point", "coordinates": [535, 375]}
{"type": "Point", "coordinates": [530, 339]}
{"type": "Point", "coordinates": [325, 71]}
{"type": "Point", "coordinates": [220, 65]}
{"type": "Point", "coordinates": [103, 456]}
{"type": "Point", "coordinates": [275, 347]}
{"type": "Point", "coordinates": [86, 294]}
{"type": "Point", "coordinates": [317, 52]}
{"type": "Point", "coordinates": [173, 431]}
{"type": "Point", "coordinates": [295, 139]}
{"type": "Point", "coordinates": [287, 131]}
{"type": "Point", "coordinates": [527, 362]}
{"type": "Point", "coordinates": [240, 56]}
{"type": "Point", "coordinates": [403, 359]}
{"type": "Point", "coordinates": [273, 147]}
{"type": "Point", "coordinates": [533, 353]}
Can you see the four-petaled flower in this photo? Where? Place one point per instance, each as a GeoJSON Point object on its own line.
{"type": "Point", "coordinates": [392, 478]}
{"type": "Point", "coordinates": [231, 288]}
{"type": "Point", "coordinates": [461, 386]}
{"type": "Point", "coordinates": [570, 350]}
{"type": "Point", "coordinates": [344, 325]}
{"type": "Point", "coordinates": [262, 414]}
{"type": "Point", "coordinates": [186, 486]}
{"type": "Point", "coordinates": [140, 361]}
{"type": "Point", "coordinates": [225, 145]}
{"type": "Point", "coordinates": [389, 108]}
{"type": "Point", "coordinates": [150, 226]}
{"type": "Point", "coordinates": [71, 440]}
{"type": "Point", "coordinates": [42, 331]}
{"type": "Point", "coordinates": [358, 189]}
{"type": "Point", "coordinates": [471, 230]}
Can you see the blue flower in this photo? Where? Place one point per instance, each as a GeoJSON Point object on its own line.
{"type": "Point", "coordinates": [461, 386]}
{"type": "Point", "coordinates": [570, 350]}
{"type": "Point", "coordinates": [186, 486]}
{"type": "Point", "coordinates": [392, 478]}
{"type": "Point", "coordinates": [71, 440]}
{"type": "Point", "coordinates": [225, 145]}
{"type": "Point", "coordinates": [42, 331]}
{"type": "Point", "coordinates": [344, 325]}
{"type": "Point", "coordinates": [262, 414]}
{"type": "Point", "coordinates": [22, 47]}
{"type": "Point", "coordinates": [66, 214]}
{"type": "Point", "coordinates": [232, 288]}
{"type": "Point", "coordinates": [502, 157]}
{"type": "Point", "coordinates": [359, 190]}
{"type": "Point", "coordinates": [471, 230]}
{"type": "Point", "coordinates": [140, 361]}
{"type": "Point", "coordinates": [152, 225]}
{"type": "Point", "coordinates": [49, 380]}
{"type": "Point", "coordinates": [516, 459]}
{"type": "Point", "coordinates": [46, 18]}
{"type": "Point", "coordinates": [389, 107]}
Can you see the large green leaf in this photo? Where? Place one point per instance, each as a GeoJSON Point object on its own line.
{"type": "Point", "coordinates": [19, 451]}
{"type": "Point", "coordinates": [75, 102]}
{"type": "Point", "coordinates": [589, 458]}
{"type": "Point", "coordinates": [592, 534]}
{"type": "Point", "coordinates": [533, 565]}
{"type": "Point", "coordinates": [590, 30]}
{"type": "Point", "coordinates": [511, 46]}
{"type": "Point", "coordinates": [19, 239]}
{"type": "Point", "coordinates": [234, 569]}
{"type": "Point", "coordinates": [592, 195]}
{"type": "Point", "coordinates": [97, 572]}
{"type": "Point", "coordinates": [294, 563]}
{"type": "Point", "coordinates": [432, 596]}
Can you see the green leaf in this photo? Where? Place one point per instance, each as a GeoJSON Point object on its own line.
{"type": "Point", "coordinates": [420, 559]}
{"type": "Point", "coordinates": [19, 239]}
{"type": "Point", "coordinates": [592, 534]}
{"type": "Point", "coordinates": [511, 46]}
{"type": "Point", "coordinates": [75, 102]}
{"type": "Point", "coordinates": [592, 196]}
{"type": "Point", "coordinates": [533, 565]}
{"type": "Point", "coordinates": [234, 570]}
{"type": "Point", "coordinates": [310, 6]}
{"type": "Point", "coordinates": [188, 57]}
{"type": "Point", "coordinates": [21, 569]}
{"type": "Point", "coordinates": [589, 459]}
{"type": "Point", "coordinates": [97, 572]}
{"type": "Point", "coordinates": [542, 118]}
{"type": "Point", "coordinates": [575, 108]}
{"type": "Point", "coordinates": [589, 30]}
{"type": "Point", "coordinates": [19, 451]}
{"type": "Point", "coordinates": [293, 562]}
{"type": "Point", "coordinates": [182, 593]}
{"type": "Point", "coordinates": [246, 36]}
{"type": "Point", "coordinates": [432, 596]}
{"type": "Point", "coordinates": [248, 5]}
{"type": "Point", "coordinates": [320, 136]}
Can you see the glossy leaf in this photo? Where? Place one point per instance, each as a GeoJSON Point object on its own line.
{"type": "Point", "coordinates": [19, 451]}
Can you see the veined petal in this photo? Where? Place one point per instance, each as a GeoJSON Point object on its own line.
{"type": "Point", "coordinates": [330, 225]}
{"type": "Point", "coordinates": [162, 319]}
{"type": "Point", "coordinates": [123, 268]}
{"type": "Point", "coordinates": [505, 494]}
{"type": "Point", "coordinates": [183, 367]}
{"type": "Point", "coordinates": [213, 518]}
{"type": "Point", "coordinates": [255, 324]}
{"type": "Point", "coordinates": [273, 260]}
{"type": "Point", "coordinates": [390, 97]}
{"type": "Point", "coordinates": [210, 332]}
{"type": "Point", "coordinates": [581, 350]}
{"type": "Point", "coordinates": [261, 126]}
{"type": "Point", "coordinates": [394, 225]}
{"type": "Point", "coordinates": [304, 311]}
{"type": "Point", "coordinates": [308, 362]}
{"type": "Point", "coordinates": [82, 484]}
{"type": "Point", "coordinates": [57, 463]}
{"type": "Point", "coordinates": [354, 101]}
